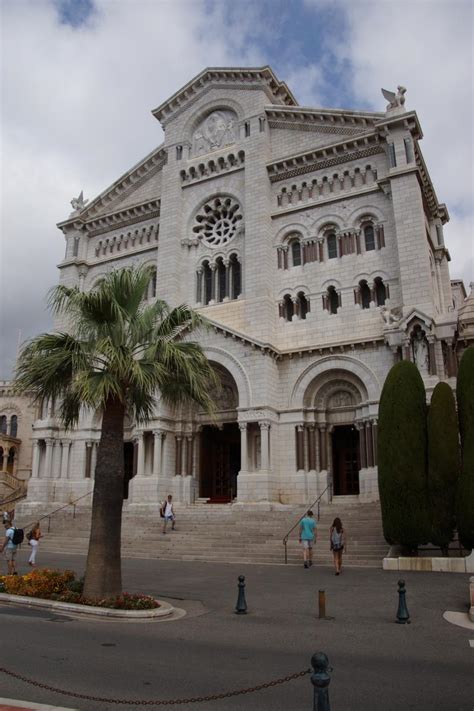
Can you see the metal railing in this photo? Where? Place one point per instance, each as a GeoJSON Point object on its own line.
{"type": "Point", "coordinates": [61, 508]}
{"type": "Point", "coordinates": [315, 502]}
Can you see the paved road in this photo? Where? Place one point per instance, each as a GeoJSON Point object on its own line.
{"type": "Point", "coordinates": [377, 664]}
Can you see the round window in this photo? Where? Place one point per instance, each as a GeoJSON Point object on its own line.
{"type": "Point", "coordinates": [218, 221]}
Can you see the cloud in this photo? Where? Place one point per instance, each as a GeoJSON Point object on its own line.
{"type": "Point", "coordinates": [80, 78]}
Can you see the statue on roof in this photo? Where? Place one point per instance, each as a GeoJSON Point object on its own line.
{"type": "Point", "coordinates": [79, 203]}
{"type": "Point", "coordinates": [396, 100]}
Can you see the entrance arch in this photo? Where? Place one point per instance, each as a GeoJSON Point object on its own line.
{"type": "Point", "coordinates": [219, 461]}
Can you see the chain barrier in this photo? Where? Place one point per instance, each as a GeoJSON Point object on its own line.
{"type": "Point", "coordinates": [159, 702]}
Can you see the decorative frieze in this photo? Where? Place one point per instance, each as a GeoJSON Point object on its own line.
{"type": "Point", "coordinates": [147, 236]}
{"type": "Point", "coordinates": [122, 218]}
{"type": "Point", "coordinates": [319, 159]}
{"type": "Point", "coordinates": [326, 186]}
{"type": "Point", "coordinates": [212, 168]}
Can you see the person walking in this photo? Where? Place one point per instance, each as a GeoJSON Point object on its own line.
{"type": "Point", "coordinates": [9, 549]}
{"type": "Point", "coordinates": [33, 539]}
{"type": "Point", "coordinates": [337, 542]}
{"type": "Point", "coordinates": [168, 513]}
{"type": "Point", "coordinates": [308, 537]}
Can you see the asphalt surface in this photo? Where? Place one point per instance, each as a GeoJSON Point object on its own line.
{"type": "Point", "coordinates": [377, 664]}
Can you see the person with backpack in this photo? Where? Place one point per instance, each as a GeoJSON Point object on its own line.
{"type": "Point", "coordinates": [33, 539]}
{"type": "Point", "coordinates": [337, 542]}
{"type": "Point", "coordinates": [9, 546]}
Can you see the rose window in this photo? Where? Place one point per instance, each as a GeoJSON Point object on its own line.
{"type": "Point", "coordinates": [218, 222]}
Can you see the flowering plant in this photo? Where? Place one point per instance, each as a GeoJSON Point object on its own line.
{"type": "Point", "coordinates": [62, 586]}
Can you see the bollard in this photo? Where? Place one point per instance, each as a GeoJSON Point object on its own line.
{"type": "Point", "coordinates": [320, 680]}
{"type": "Point", "coordinates": [403, 616]}
{"type": "Point", "coordinates": [322, 604]}
{"type": "Point", "coordinates": [241, 607]}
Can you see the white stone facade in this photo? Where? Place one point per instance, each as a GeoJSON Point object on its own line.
{"type": "Point", "coordinates": [313, 241]}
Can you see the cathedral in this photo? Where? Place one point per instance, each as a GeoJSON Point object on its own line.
{"type": "Point", "coordinates": [312, 241]}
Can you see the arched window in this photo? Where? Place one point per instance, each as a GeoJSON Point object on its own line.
{"type": "Point", "coordinates": [365, 296]}
{"type": "Point", "coordinates": [296, 253]}
{"type": "Point", "coordinates": [235, 276]}
{"type": "Point", "coordinates": [220, 279]}
{"type": "Point", "coordinates": [369, 237]}
{"type": "Point", "coordinates": [332, 300]}
{"type": "Point", "coordinates": [151, 294]}
{"type": "Point", "coordinates": [1, 459]}
{"type": "Point", "coordinates": [332, 245]}
{"type": "Point", "coordinates": [380, 291]}
{"type": "Point", "coordinates": [207, 282]}
{"type": "Point", "coordinates": [303, 305]}
{"type": "Point", "coordinates": [11, 460]}
{"type": "Point", "coordinates": [3, 424]}
{"type": "Point", "coordinates": [288, 307]}
{"type": "Point", "coordinates": [13, 426]}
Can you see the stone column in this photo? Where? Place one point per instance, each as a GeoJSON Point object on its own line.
{"type": "Point", "coordinates": [317, 447]}
{"type": "Point", "coordinates": [227, 279]}
{"type": "Point", "coordinates": [66, 443]}
{"type": "Point", "coordinates": [432, 356]}
{"type": "Point", "coordinates": [177, 466]}
{"type": "Point", "coordinates": [311, 452]}
{"type": "Point", "coordinates": [323, 447]}
{"type": "Point", "coordinates": [199, 280]}
{"type": "Point", "coordinates": [184, 458]}
{"type": "Point", "coordinates": [196, 452]}
{"type": "Point", "coordinates": [49, 457]}
{"type": "Point", "coordinates": [264, 434]}
{"type": "Point", "coordinates": [140, 455]}
{"type": "Point", "coordinates": [158, 435]}
{"type": "Point", "coordinates": [243, 446]}
{"type": "Point", "coordinates": [35, 460]}
{"type": "Point", "coordinates": [214, 274]}
{"type": "Point", "coordinates": [374, 441]}
{"type": "Point", "coordinates": [370, 451]}
{"type": "Point", "coordinates": [190, 448]}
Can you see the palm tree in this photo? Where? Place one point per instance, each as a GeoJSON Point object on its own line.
{"type": "Point", "coordinates": [115, 355]}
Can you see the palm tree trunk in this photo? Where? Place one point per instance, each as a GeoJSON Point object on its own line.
{"type": "Point", "coordinates": [103, 569]}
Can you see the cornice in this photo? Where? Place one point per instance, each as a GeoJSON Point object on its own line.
{"type": "Point", "coordinates": [408, 120]}
{"type": "Point", "coordinates": [122, 187]}
{"type": "Point", "coordinates": [437, 209]}
{"type": "Point", "coordinates": [224, 76]}
{"type": "Point", "coordinates": [277, 354]}
{"type": "Point", "coordinates": [324, 157]}
{"type": "Point", "coordinates": [324, 120]}
{"type": "Point", "coordinates": [120, 218]}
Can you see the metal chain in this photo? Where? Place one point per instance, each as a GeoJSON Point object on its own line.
{"type": "Point", "coordinates": [159, 702]}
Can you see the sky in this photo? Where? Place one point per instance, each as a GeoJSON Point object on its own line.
{"type": "Point", "coordinates": [79, 79]}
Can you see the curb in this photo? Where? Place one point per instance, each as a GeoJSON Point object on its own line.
{"type": "Point", "coordinates": [7, 704]}
{"type": "Point", "coordinates": [164, 610]}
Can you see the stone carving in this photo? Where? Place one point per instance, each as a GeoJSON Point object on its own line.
{"type": "Point", "coordinates": [340, 399]}
{"type": "Point", "coordinates": [216, 131]}
{"type": "Point", "coordinates": [420, 350]}
{"type": "Point", "coordinates": [79, 203]}
{"type": "Point", "coordinates": [396, 101]}
{"type": "Point", "coordinates": [225, 398]}
{"type": "Point", "coordinates": [390, 317]}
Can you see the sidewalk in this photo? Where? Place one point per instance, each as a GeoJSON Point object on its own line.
{"type": "Point", "coordinates": [15, 705]}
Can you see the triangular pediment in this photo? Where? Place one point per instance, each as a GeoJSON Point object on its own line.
{"type": "Point", "coordinates": [277, 91]}
{"type": "Point", "coordinates": [137, 186]}
{"type": "Point", "coordinates": [415, 316]}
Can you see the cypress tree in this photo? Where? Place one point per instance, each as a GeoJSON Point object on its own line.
{"type": "Point", "coordinates": [443, 464]}
{"type": "Point", "coordinates": [402, 455]}
{"type": "Point", "coordinates": [465, 496]}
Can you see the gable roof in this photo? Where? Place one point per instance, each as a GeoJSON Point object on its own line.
{"type": "Point", "coordinates": [242, 77]}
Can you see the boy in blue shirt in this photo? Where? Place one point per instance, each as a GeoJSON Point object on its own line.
{"type": "Point", "coordinates": [308, 537]}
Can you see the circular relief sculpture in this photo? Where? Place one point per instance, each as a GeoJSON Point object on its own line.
{"type": "Point", "coordinates": [218, 222]}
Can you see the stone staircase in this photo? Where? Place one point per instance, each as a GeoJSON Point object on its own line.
{"type": "Point", "coordinates": [220, 532]}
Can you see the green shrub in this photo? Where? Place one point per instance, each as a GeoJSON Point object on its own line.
{"type": "Point", "coordinates": [402, 454]}
{"type": "Point", "coordinates": [443, 464]}
{"type": "Point", "coordinates": [465, 495]}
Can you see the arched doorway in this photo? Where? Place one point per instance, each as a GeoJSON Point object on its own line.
{"type": "Point", "coordinates": [219, 461]}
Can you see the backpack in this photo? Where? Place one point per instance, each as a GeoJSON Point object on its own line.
{"type": "Point", "coordinates": [18, 536]}
{"type": "Point", "coordinates": [162, 510]}
{"type": "Point", "coordinates": [29, 535]}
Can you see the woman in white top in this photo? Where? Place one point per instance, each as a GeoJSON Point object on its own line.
{"type": "Point", "coordinates": [34, 536]}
